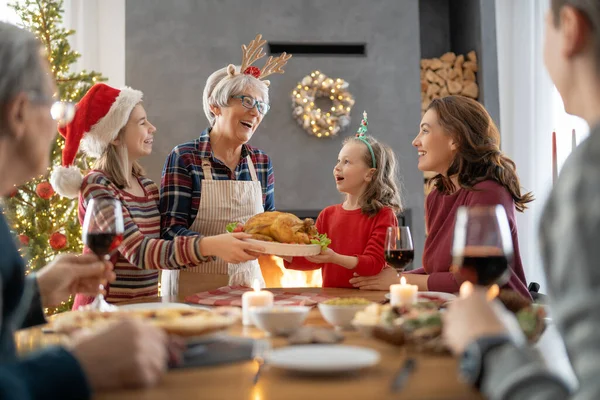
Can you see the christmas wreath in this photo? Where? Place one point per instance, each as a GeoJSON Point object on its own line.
{"type": "Point", "coordinates": [316, 121]}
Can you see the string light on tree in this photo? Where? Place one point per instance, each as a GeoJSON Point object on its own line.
{"type": "Point", "coordinates": [318, 122]}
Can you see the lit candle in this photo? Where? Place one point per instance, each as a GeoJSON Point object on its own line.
{"type": "Point", "coordinates": [402, 294]}
{"type": "Point", "coordinates": [554, 166]}
{"type": "Point", "coordinates": [255, 298]}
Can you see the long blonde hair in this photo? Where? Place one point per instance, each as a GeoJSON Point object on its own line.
{"type": "Point", "coordinates": [114, 160]}
{"type": "Point", "coordinates": [383, 190]}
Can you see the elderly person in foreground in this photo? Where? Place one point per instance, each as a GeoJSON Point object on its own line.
{"type": "Point", "coordinates": [128, 354]}
{"type": "Point", "coordinates": [218, 178]}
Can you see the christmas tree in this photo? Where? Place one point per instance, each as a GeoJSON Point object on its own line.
{"type": "Point", "coordinates": [45, 222]}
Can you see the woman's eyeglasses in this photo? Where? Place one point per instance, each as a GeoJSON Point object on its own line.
{"type": "Point", "coordinates": [251, 102]}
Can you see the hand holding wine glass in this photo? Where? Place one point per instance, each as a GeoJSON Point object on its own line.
{"type": "Point", "coordinates": [399, 250]}
{"type": "Point", "coordinates": [482, 247]}
{"type": "Point", "coordinates": [102, 234]}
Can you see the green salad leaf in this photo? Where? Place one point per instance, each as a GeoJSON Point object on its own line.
{"type": "Point", "coordinates": [321, 240]}
{"type": "Point", "coordinates": [231, 226]}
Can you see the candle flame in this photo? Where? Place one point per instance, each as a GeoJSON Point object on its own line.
{"type": "Point", "coordinates": [466, 289]}
{"type": "Point", "coordinates": [256, 285]}
{"type": "Point", "coordinates": [403, 281]}
{"type": "Point", "coordinates": [492, 292]}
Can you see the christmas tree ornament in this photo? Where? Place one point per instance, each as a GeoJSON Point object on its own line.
{"type": "Point", "coordinates": [58, 241]}
{"type": "Point", "coordinates": [24, 239]}
{"type": "Point", "coordinates": [44, 190]}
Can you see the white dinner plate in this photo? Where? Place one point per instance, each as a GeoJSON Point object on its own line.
{"type": "Point", "coordinates": [285, 249]}
{"type": "Point", "coordinates": [159, 306]}
{"type": "Point", "coordinates": [421, 296]}
{"type": "Point", "coordinates": [323, 358]}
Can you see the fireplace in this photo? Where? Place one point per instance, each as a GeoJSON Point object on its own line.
{"type": "Point", "coordinates": [276, 275]}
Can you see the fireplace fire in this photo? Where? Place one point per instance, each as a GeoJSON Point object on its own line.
{"type": "Point", "coordinates": [276, 275]}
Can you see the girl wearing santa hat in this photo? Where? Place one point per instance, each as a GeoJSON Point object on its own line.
{"type": "Point", "coordinates": [111, 126]}
{"type": "Point", "coordinates": [218, 178]}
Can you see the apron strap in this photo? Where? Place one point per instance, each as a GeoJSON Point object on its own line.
{"type": "Point", "coordinates": [251, 169]}
{"type": "Point", "coordinates": [207, 169]}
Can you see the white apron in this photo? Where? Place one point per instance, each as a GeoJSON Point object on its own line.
{"type": "Point", "coordinates": [221, 202]}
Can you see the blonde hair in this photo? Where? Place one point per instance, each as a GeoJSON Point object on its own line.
{"type": "Point", "coordinates": [384, 188]}
{"type": "Point", "coordinates": [220, 87]}
{"type": "Point", "coordinates": [114, 160]}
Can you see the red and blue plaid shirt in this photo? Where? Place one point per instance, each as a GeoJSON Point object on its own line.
{"type": "Point", "coordinates": [181, 183]}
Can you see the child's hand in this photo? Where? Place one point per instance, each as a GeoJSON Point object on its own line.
{"type": "Point", "coordinates": [326, 256]}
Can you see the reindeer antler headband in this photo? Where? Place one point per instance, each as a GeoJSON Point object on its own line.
{"type": "Point", "coordinates": [254, 52]}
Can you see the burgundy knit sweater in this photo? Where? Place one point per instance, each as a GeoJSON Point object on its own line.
{"type": "Point", "coordinates": [440, 212]}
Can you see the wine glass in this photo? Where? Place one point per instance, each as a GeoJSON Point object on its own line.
{"type": "Point", "coordinates": [399, 250]}
{"type": "Point", "coordinates": [102, 234]}
{"type": "Point", "coordinates": [482, 247]}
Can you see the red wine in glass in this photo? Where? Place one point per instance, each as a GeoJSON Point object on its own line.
{"type": "Point", "coordinates": [103, 233]}
{"type": "Point", "coordinates": [484, 266]}
{"type": "Point", "coordinates": [482, 247]}
{"type": "Point", "coordinates": [399, 251]}
{"type": "Point", "coordinates": [102, 243]}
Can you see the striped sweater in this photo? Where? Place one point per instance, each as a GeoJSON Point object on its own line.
{"type": "Point", "coordinates": [142, 253]}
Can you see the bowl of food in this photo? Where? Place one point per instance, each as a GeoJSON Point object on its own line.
{"type": "Point", "coordinates": [279, 320]}
{"type": "Point", "coordinates": [339, 312]}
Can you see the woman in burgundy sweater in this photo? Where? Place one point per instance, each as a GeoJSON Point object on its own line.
{"type": "Point", "coordinates": [459, 140]}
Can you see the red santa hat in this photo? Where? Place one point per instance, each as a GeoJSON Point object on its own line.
{"type": "Point", "coordinates": [99, 117]}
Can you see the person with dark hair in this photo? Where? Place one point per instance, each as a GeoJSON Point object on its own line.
{"type": "Point", "coordinates": [459, 140]}
{"type": "Point", "coordinates": [569, 234]}
{"type": "Point", "coordinates": [127, 354]}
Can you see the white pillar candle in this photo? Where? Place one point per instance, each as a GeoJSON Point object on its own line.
{"type": "Point", "coordinates": [255, 298]}
{"type": "Point", "coordinates": [403, 294]}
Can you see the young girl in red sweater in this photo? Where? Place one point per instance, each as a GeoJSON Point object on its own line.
{"type": "Point", "coordinates": [366, 173]}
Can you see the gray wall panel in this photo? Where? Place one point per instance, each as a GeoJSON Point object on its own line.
{"type": "Point", "coordinates": [172, 47]}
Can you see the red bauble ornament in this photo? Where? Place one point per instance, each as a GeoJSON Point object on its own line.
{"type": "Point", "coordinates": [44, 190]}
{"type": "Point", "coordinates": [254, 71]}
{"type": "Point", "coordinates": [58, 241]}
{"type": "Point", "coordinates": [13, 192]}
{"type": "Point", "coordinates": [24, 239]}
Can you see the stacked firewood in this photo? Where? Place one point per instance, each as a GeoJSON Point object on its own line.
{"type": "Point", "coordinates": [446, 75]}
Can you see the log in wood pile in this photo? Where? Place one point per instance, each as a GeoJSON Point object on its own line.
{"type": "Point", "coordinates": [447, 75]}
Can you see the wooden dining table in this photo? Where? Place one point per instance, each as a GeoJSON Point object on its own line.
{"type": "Point", "coordinates": [435, 375]}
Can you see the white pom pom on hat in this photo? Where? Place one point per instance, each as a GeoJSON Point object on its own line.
{"type": "Point", "coordinates": [99, 117]}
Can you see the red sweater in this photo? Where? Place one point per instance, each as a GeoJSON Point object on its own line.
{"type": "Point", "coordinates": [440, 212]}
{"type": "Point", "coordinates": [352, 233]}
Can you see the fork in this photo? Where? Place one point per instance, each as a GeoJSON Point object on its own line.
{"type": "Point", "coordinates": [260, 351]}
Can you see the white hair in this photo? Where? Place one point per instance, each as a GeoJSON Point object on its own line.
{"type": "Point", "coordinates": [220, 87]}
{"type": "Point", "coordinates": [21, 68]}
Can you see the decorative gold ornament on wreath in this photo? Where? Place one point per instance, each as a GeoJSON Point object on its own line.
{"type": "Point", "coordinates": [327, 121]}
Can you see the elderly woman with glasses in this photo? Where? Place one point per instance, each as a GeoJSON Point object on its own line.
{"type": "Point", "coordinates": [218, 178]}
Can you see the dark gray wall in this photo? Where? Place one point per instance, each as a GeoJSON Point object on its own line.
{"type": "Point", "coordinates": [172, 47]}
{"type": "Point", "coordinates": [461, 26]}
{"type": "Point", "coordinates": [434, 26]}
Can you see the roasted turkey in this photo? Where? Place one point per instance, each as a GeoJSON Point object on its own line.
{"type": "Point", "coordinates": [276, 226]}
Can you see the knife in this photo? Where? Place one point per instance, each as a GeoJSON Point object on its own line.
{"type": "Point", "coordinates": [403, 374]}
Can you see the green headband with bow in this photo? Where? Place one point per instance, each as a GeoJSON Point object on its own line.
{"type": "Point", "coordinates": [361, 135]}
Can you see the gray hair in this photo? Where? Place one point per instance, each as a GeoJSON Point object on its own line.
{"type": "Point", "coordinates": [20, 63]}
{"type": "Point", "coordinates": [220, 87]}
